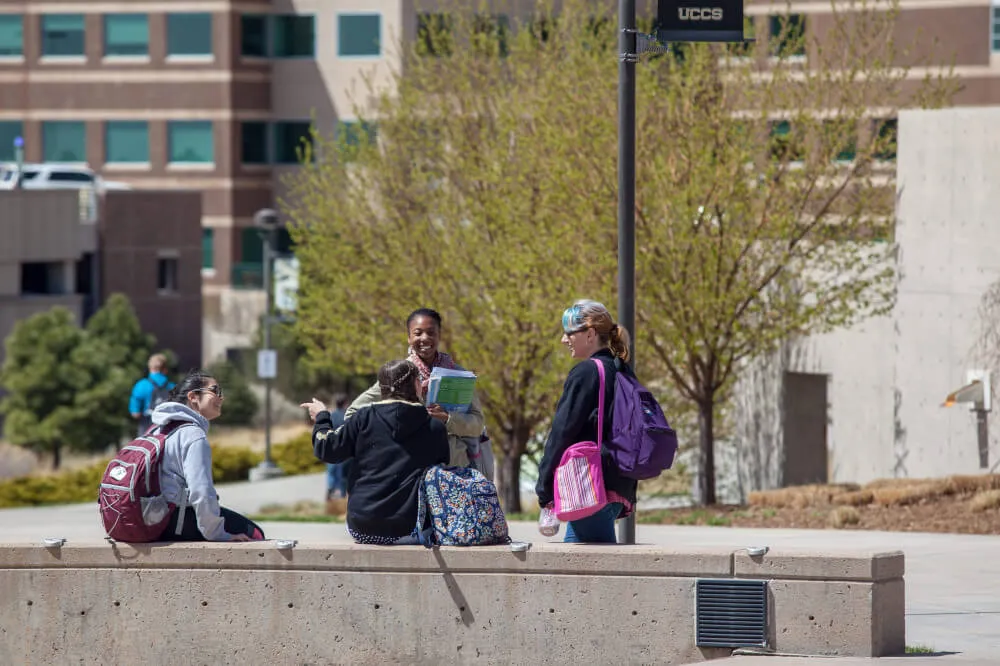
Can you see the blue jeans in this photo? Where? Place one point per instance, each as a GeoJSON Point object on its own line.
{"type": "Point", "coordinates": [597, 528]}
{"type": "Point", "coordinates": [336, 477]}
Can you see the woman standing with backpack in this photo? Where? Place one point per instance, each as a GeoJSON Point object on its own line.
{"type": "Point", "coordinates": [590, 333]}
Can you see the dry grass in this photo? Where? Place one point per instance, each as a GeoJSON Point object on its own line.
{"type": "Point", "coordinates": [882, 492]}
{"type": "Point", "coordinates": [253, 438]}
{"type": "Point", "coordinates": [800, 497]}
{"type": "Point", "coordinates": [336, 506]}
{"type": "Point", "coordinates": [844, 516]}
{"type": "Point", "coordinates": [985, 501]}
{"type": "Point", "coordinates": [15, 461]}
{"type": "Point", "coordinates": [856, 498]}
{"type": "Point", "coordinates": [303, 508]}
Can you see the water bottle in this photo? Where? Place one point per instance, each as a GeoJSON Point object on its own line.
{"type": "Point", "coordinates": [548, 524]}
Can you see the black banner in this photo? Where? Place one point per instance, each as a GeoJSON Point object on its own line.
{"type": "Point", "coordinates": [699, 21]}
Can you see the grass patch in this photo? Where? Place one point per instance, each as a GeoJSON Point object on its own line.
{"type": "Point", "coordinates": [919, 649]}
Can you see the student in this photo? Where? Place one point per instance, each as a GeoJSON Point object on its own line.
{"type": "Point", "coordinates": [589, 332]}
{"type": "Point", "coordinates": [337, 474]}
{"type": "Point", "coordinates": [186, 468]}
{"type": "Point", "coordinates": [393, 442]}
{"type": "Point", "coordinates": [149, 392]}
{"type": "Point", "coordinates": [465, 430]}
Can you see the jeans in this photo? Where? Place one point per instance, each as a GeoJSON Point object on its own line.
{"type": "Point", "coordinates": [336, 478]}
{"type": "Point", "coordinates": [234, 524]}
{"type": "Point", "coordinates": [597, 528]}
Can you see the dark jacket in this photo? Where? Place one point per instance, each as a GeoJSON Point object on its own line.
{"type": "Point", "coordinates": [576, 421]}
{"type": "Point", "coordinates": [392, 443]}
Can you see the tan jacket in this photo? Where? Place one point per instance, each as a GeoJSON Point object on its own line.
{"type": "Point", "coordinates": [469, 424]}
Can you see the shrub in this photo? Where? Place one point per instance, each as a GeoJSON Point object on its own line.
{"type": "Point", "coordinates": [65, 488]}
{"type": "Point", "coordinates": [232, 463]}
{"type": "Point", "coordinates": [296, 456]}
{"type": "Point", "coordinates": [241, 404]}
{"type": "Point", "coordinates": [986, 500]}
{"type": "Point", "coordinates": [843, 516]}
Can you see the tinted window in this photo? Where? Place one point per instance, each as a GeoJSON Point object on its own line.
{"type": "Point", "coordinates": [62, 35]}
{"type": "Point", "coordinates": [253, 37]}
{"type": "Point", "coordinates": [189, 34]}
{"type": "Point", "coordinates": [294, 37]}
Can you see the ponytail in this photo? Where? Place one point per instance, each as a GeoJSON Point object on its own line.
{"type": "Point", "coordinates": [618, 342]}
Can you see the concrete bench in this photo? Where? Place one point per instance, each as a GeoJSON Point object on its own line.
{"type": "Point", "coordinates": [318, 604]}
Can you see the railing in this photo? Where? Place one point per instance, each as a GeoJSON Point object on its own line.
{"type": "Point", "coordinates": [247, 276]}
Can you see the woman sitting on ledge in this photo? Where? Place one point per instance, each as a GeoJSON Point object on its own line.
{"type": "Point", "coordinates": [393, 442]}
{"type": "Point", "coordinates": [186, 469]}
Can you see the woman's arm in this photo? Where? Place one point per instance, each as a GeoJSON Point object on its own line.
{"type": "Point", "coordinates": [373, 394]}
{"type": "Point", "coordinates": [467, 424]}
{"type": "Point", "coordinates": [334, 445]}
{"type": "Point", "coordinates": [573, 411]}
{"type": "Point", "coordinates": [197, 464]}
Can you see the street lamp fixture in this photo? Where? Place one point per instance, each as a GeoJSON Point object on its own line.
{"type": "Point", "coordinates": [268, 223]}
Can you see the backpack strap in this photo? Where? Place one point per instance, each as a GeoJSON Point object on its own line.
{"type": "Point", "coordinates": [600, 402]}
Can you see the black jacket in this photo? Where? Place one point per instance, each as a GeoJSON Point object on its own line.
{"type": "Point", "coordinates": [392, 444]}
{"type": "Point", "coordinates": [576, 421]}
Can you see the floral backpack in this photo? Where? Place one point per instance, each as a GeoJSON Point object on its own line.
{"type": "Point", "coordinates": [463, 506]}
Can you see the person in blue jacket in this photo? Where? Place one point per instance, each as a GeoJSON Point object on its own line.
{"type": "Point", "coordinates": [149, 392]}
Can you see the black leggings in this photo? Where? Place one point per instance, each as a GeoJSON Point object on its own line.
{"type": "Point", "coordinates": [234, 523]}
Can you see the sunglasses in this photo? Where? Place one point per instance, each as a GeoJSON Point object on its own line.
{"type": "Point", "coordinates": [214, 388]}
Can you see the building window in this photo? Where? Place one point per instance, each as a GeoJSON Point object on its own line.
{"type": "Point", "coordinates": [11, 35]}
{"type": "Point", "coordinates": [788, 35]}
{"type": "Point", "coordinates": [253, 35]}
{"type": "Point", "coordinates": [207, 249]}
{"type": "Point", "coordinates": [126, 35]}
{"type": "Point", "coordinates": [63, 35]}
{"type": "Point", "coordinates": [359, 35]}
{"type": "Point", "coordinates": [352, 132]}
{"type": "Point", "coordinates": [43, 278]}
{"type": "Point", "coordinates": [294, 37]}
{"type": "Point", "coordinates": [886, 139]}
{"type": "Point", "coordinates": [9, 131]}
{"type": "Point", "coordinates": [253, 138]}
{"type": "Point", "coordinates": [995, 27]}
{"type": "Point", "coordinates": [290, 140]}
{"type": "Point", "coordinates": [189, 35]}
{"type": "Point", "coordinates": [840, 136]}
{"type": "Point", "coordinates": [190, 142]}
{"type": "Point", "coordinates": [491, 35]}
{"type": "Point", "coordinates": [166, 274]}
{"type": "Point", "coordinates": [434, 34]}
{"type": "Point", "coordinates": [785, 145]}
{"type": "Point", "coordinates": [126, 142]}
{"type": "Point", "coordinates": [64, 141]}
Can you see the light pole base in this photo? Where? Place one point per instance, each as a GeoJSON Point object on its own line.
{"type": "Point", "coordinates": [264, 471]}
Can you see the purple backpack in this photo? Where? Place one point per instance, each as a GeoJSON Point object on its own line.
{"type": "Point", "coordinates": [642, 443]}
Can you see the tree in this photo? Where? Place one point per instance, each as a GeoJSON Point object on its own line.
{"type": "Point", "coordinates": [41, 380]}
{"type": "Point", "coordinates": [128, 346]}
{"type": "Point", "coordinates": [492, 187]}
{"type": "Point", "coordinates": [241, 404]}
{"type": "Point", "coordinates": [76, 392]}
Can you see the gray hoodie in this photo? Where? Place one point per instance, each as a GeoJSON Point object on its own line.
{"type": "Point", "coordinates": [187, 462]}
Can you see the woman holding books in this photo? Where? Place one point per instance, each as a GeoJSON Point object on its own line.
{"type": "Point", "coordinates": [423, 328]}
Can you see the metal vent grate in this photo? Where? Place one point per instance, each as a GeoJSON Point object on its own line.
{"type": "Point", "coordinates": [731, 613]}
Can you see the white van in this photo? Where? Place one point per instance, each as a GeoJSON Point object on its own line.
{"type": "Point", "coordinates": [52, 176]}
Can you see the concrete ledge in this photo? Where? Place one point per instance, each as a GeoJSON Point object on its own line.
{"type": "Point", "coordinates": [555, 604]}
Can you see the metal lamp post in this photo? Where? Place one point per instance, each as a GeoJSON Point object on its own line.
{"type": "Point", "coordinates": [266, 220]}
{"type": "Point", "coordinates": [713, 21]}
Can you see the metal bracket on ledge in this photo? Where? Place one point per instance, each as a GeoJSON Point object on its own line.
{"type": "Point", "coordinates": [53, 542]}
{"type": "Point", "coordinates": [285, 544]}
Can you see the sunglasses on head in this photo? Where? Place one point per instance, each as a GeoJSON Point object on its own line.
{"type": "Point", "coordinates": [214, 388]}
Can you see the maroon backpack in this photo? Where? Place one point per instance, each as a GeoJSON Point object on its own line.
{"type": "Point", "coordinates": [132, 508]}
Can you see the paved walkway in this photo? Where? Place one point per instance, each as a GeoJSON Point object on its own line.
{"type": "Point", "coordinates": [952, 580]}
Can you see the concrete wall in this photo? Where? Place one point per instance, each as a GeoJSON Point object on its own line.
{"type": "Point", "coordinates": [251, 603]}
{"type": "Point", "coordinates": [888, 377]}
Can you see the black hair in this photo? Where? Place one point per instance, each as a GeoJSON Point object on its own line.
{"type": "Point", "coordinates": [340, 400]}
{"type": "Point", "coordinates": [195, 379]}
{"type": "Point", "coordinates": [395, 380]}
{"type": "Point", "coordinates": [423, 312]}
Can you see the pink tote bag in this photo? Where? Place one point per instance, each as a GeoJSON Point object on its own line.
{"type": "Point", "coordinates": [579, 480]}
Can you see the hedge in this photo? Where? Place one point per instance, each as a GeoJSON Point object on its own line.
{"type": "Point", "coordinates": [228, 464]}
